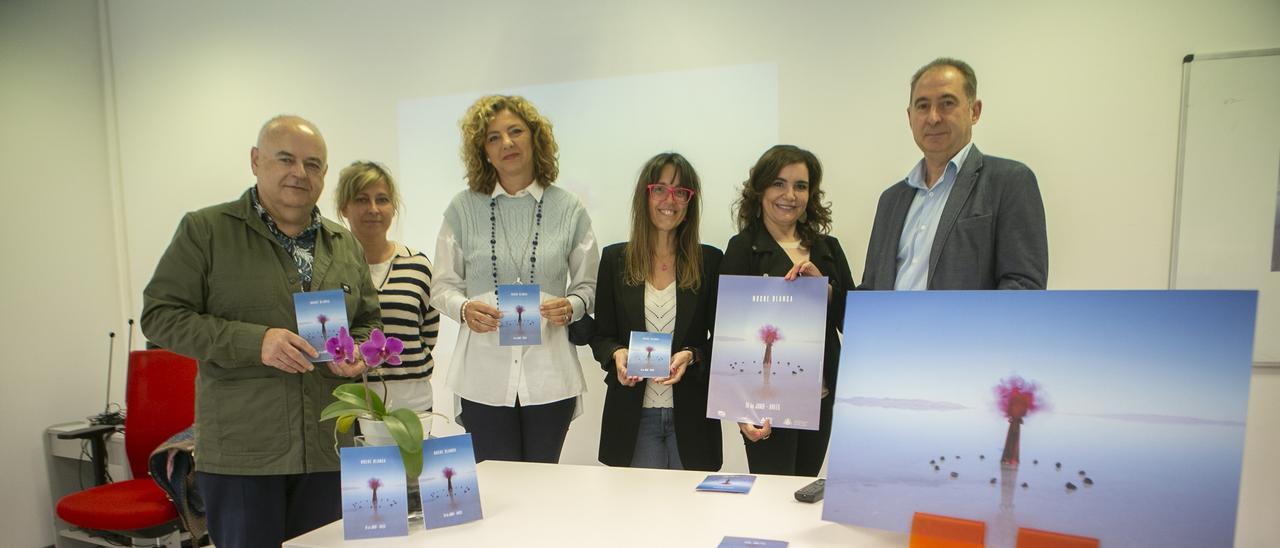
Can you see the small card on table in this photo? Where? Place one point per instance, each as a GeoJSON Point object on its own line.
{"type": "Point", "coordinates": [747, 542]}
{"type": "Point", "coordinates": [728, 483]}
{"type": "Point", "coordinates": [374, 493]}
{"type": "Point", "coordinates": [448, 485]}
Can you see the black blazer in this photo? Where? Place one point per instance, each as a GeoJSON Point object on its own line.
{"type": "Point", "coordinates": [992, 233]}
{"type": "Point", "coordinates": [753, 252]}
{"type": "Point", "coordinates": [619, 311]}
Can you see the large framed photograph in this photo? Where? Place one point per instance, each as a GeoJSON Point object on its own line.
{"type": "Point", "coordinates": [1116, 415]}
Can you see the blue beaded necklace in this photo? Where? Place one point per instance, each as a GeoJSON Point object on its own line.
{"type": "Point", "coordinates": [493, 241]}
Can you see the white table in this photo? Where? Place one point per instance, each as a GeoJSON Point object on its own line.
{"type": "Point", "coordinates": [567, 505]}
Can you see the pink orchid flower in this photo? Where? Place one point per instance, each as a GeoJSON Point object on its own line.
{"type": "Point", "coordinates": [381, 349]}
{"type": "Point", "coordinates": [342, 347]}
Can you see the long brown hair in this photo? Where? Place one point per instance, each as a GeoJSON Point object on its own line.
{"type": "Point", "coordinates": [481, 175]}
{"type": "Point", "coordinates": [644, 239]}
{"type": "Point", "coordinates": [816, 219]}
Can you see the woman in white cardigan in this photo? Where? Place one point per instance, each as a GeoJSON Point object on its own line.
{"type": "Point", "coordinates": [511, 226]}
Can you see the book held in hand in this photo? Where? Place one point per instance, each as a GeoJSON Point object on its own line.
{"type": "Point", "coordinates": [649, 355]}
{"type": "Point", "coordinates": [320, 315]}
{"type": "Point", "coordinates": [521, 323]}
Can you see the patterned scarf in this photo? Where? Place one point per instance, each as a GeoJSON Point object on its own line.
{"type": "Point", "coordinates": [302, 248]}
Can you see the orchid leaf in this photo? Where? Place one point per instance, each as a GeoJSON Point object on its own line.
{"type": "Point", "coordinates": [412, 463]}
{"type": "Point", "coordinates": [345, 422]}
{"type": "Point", "coordinates": [356, 394]}
{"type": "Point", "coordinates": [379, 408]}
{"type": "Point", "coordinates": [339, 409]}
{"type": "Point", "coordinates": [406, 428]}
{"type": "Point", "coordinates": [352, 393]}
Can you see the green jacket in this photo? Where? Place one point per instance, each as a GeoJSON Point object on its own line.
{"type": "Point", "coordinates": [221, 283]}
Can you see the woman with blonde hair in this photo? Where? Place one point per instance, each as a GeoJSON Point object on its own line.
{"type": "Point", "coordinates": [513, 226]}
{"type": "Point", "coordinates": [662, 280]}
{"type": "Point", "coordinates": [367, 198]}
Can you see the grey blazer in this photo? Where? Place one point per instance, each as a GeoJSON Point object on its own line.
{"type": "Point", "coordinates": [992, 234]}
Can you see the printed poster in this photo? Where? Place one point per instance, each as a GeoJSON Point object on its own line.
{"type": "Point", "coordinates": [768, 351]}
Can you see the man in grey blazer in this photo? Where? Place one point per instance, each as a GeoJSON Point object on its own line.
{"type": "Point", "coordinates": [960, 220]}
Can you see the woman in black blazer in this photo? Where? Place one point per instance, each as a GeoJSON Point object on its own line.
{"type": "Point", "coordinates": [783, 227]}
{"type": "Point", "coordinates": [659, 423]}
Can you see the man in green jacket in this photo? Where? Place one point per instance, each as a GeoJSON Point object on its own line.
{"type": "Point", "coordinates": [222, 293]}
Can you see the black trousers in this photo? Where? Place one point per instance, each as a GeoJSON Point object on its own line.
{"type": "Point", "coordinates": [527, 433]}
{"type": "Point", "coordinates": [258, 511]}
{"type": "Point", "coordinates": [791, 452]}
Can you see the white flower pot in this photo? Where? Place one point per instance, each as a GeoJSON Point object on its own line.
{"type": "Point", "coordinates": [375, 432]}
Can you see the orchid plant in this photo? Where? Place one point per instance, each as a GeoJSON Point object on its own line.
{"type": "Point", "coordinates": [356, 400]}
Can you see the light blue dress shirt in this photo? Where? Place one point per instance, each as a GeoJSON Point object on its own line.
{"type": "Point", "coordinates": [922, 222]}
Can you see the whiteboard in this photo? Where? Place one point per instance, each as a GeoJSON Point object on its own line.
{"type": "Point", "coordinates": [1227, 206]}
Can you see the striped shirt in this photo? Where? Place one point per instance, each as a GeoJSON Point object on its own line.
{"type": "Point", "coordinates": [404, 291]}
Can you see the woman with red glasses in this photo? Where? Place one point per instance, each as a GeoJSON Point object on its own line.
{"type": "Point", "coordinates": [662, 280]}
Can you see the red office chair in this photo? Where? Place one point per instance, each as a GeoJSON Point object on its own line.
{"type": "Point", "coordinates": [160, 399]}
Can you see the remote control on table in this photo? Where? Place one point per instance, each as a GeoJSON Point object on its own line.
{"type": "Point", "coordinates": [811, 492]}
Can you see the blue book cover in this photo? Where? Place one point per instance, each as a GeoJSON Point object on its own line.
{"type": "Point", "coordinates": [320, 314]}
{"type": "Point", "coordinates": [748, 542]}
{"type": "Point", "coordinates": [374, 493]}
{"type": "Point", "coordinates": [521, 323]}
{"type": "Point", "coordinates": [1115, 415]}
{"type": "Point", "coordinates": [449, 487]}
{"type": "Point", "coordinates": [769, 344]}
{"type": "Point", "coordinates": [728, 483]}
{"type": "Point", "coordinates": [649, 355]}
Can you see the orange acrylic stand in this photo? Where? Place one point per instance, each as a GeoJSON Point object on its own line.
{"type": "Point", "coordinates": [933, 531]}
{"type": "Point", "coordinates": [1035, 538]}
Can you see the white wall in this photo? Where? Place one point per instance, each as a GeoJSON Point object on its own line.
{"type": "Point", "coordinates": [1086, 93]}
{"type": "Point", "coordinates": [60, 295]}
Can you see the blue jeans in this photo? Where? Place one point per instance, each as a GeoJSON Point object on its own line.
{"type": "Point", "coordinates": [656, 440]}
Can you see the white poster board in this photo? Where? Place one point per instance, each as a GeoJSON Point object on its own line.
{"type": "Point", "coordinates": [1227, 209]}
